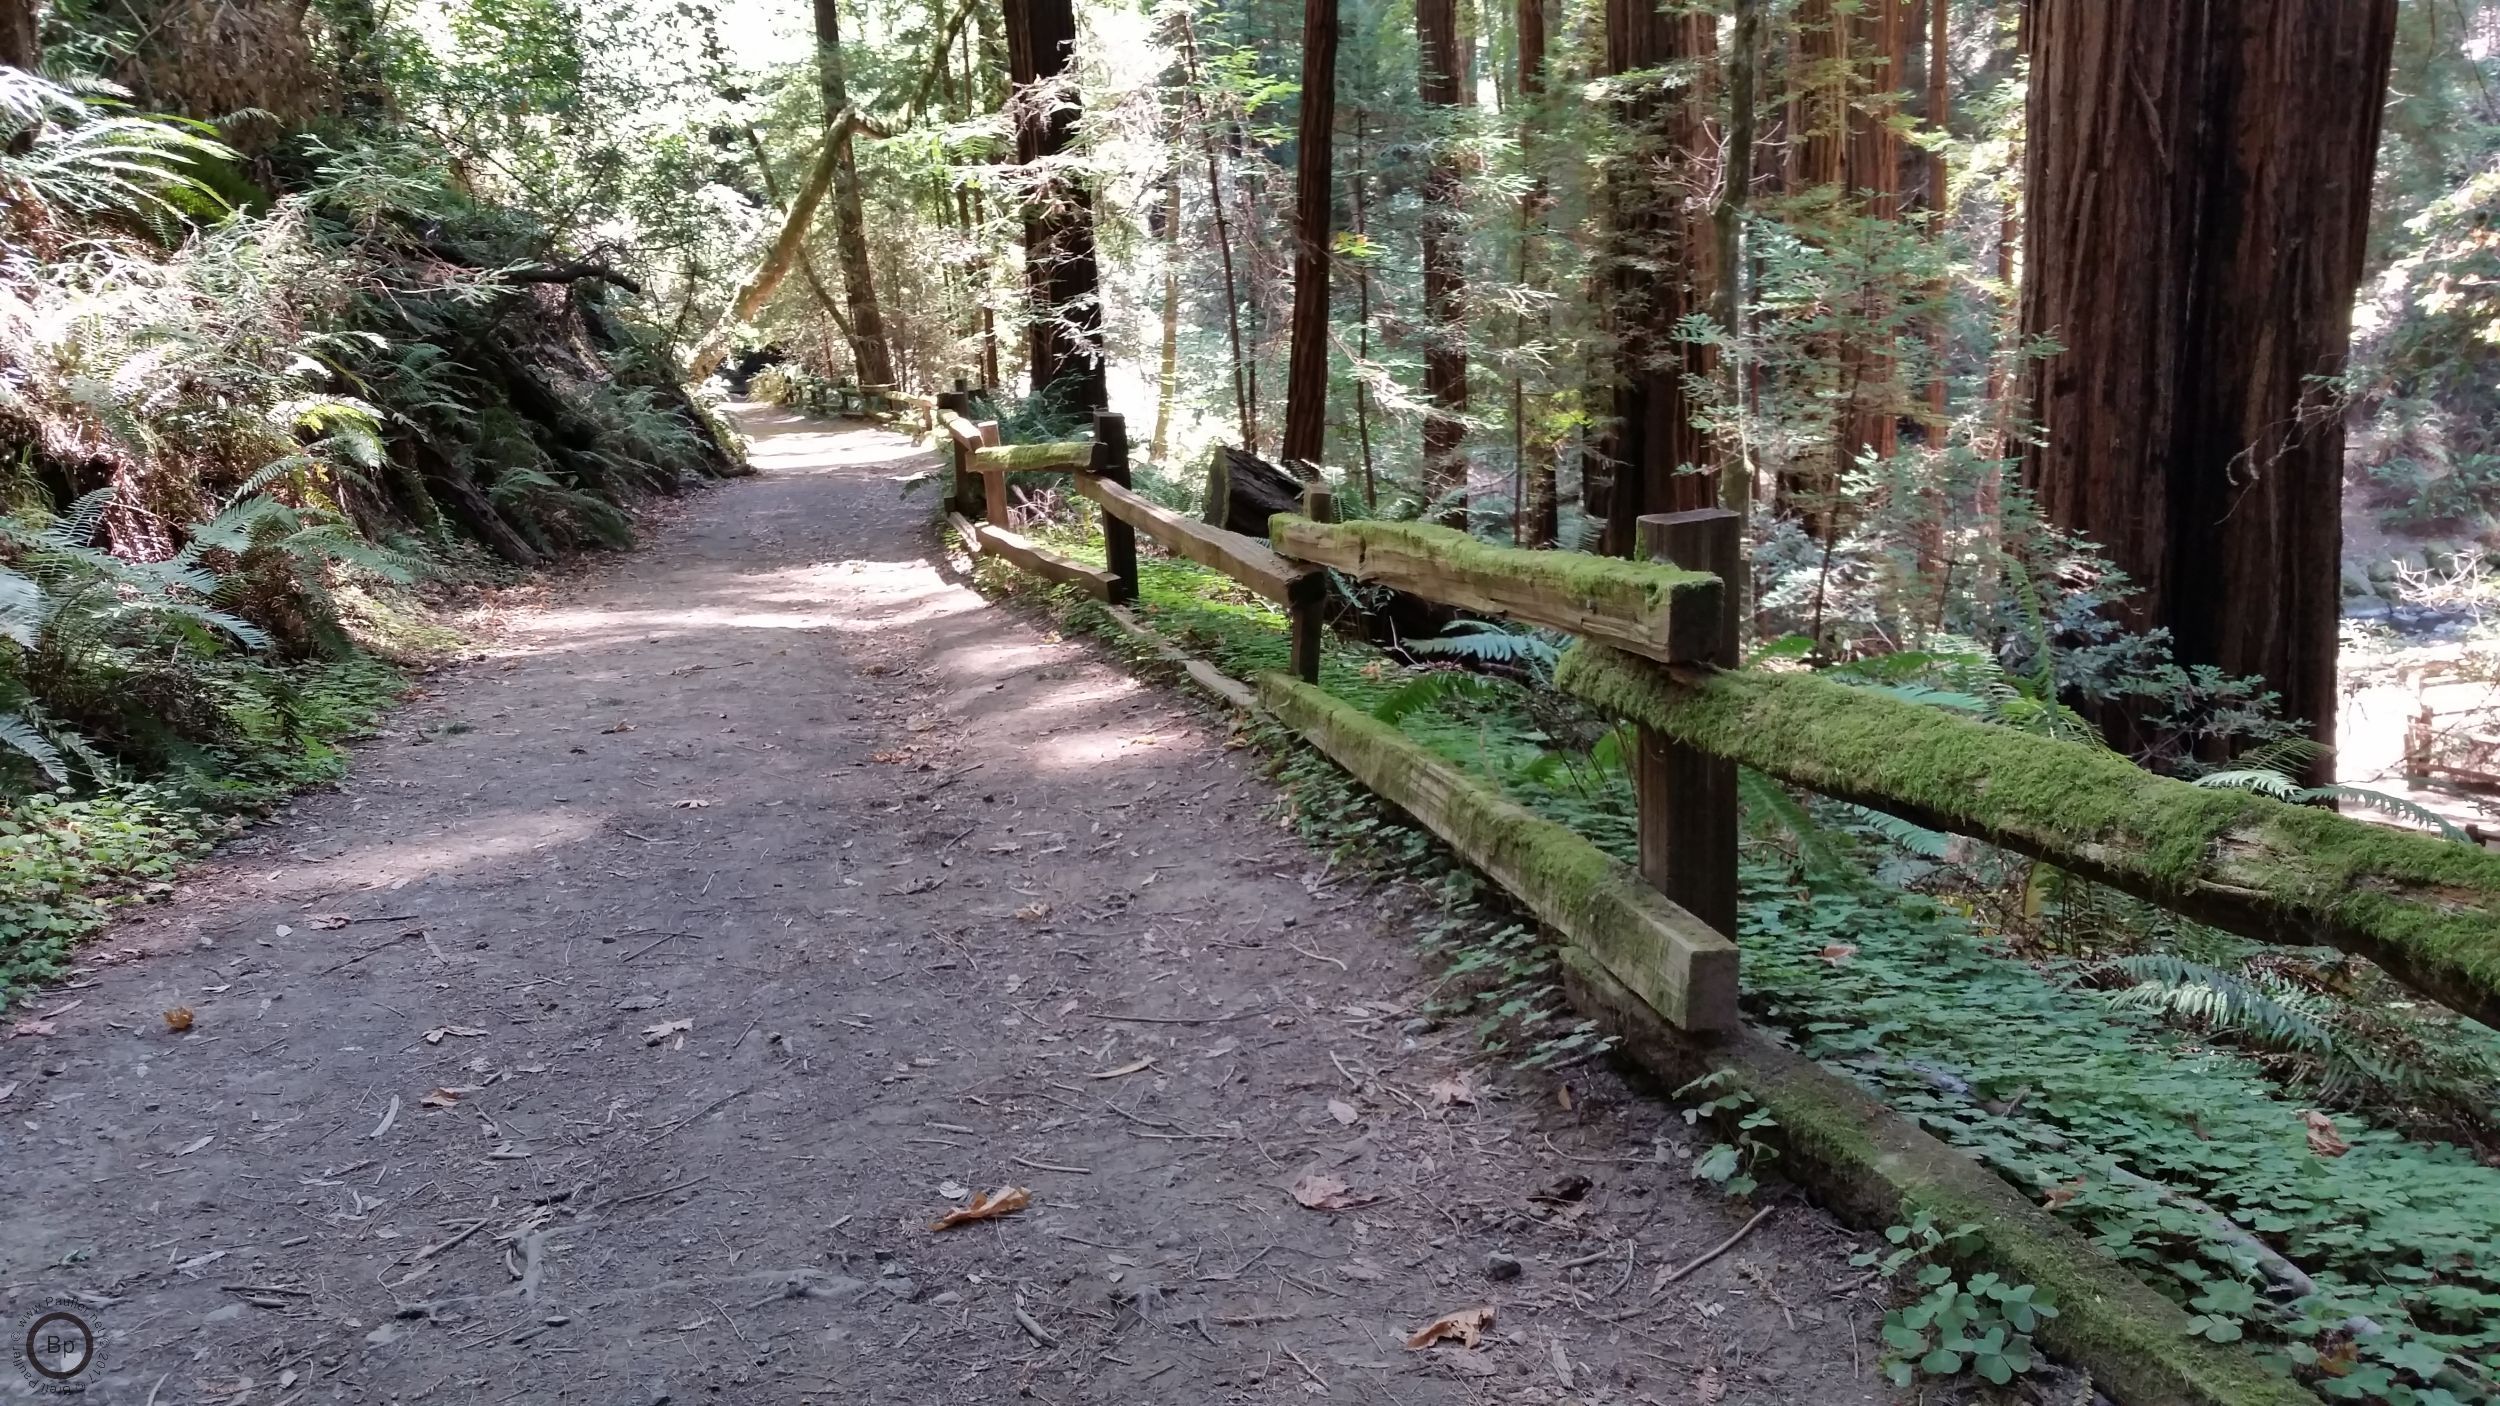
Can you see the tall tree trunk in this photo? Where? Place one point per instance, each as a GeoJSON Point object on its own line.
{"type": "Point", "coordinates": [1306, 367]}
{"type": "Point", "coordinates": [1743, 67]}
{"type": "Point", "coordinates": [1538, 514]}
{"type": "Point", "coordinates": [1662, 267]}
{"type": "Point", "coordinates": [869, 352]}
{"type": "Point", "coordinates": [1439, 84]}
{"type": "Point", "coordinates": [1849, 62]}
{"type": "Point", "coordinates": [1939, 199]}
{"type": "Point", "coordinates": [1363, 310]}
{"type": "Point", "coordinates": [2198, 182]}
{"type": "Point", "coordinates": [1066, 355]}
{"type": "Point", "coordinates": [1245, 401]}
{"type": "Point", "coordinates": [21, 33]}
{"type": "Point", "coordinates": [1167, 387]}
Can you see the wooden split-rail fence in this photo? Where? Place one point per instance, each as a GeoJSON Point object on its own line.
{"type": "Point", "coordinates": [1658, 650]}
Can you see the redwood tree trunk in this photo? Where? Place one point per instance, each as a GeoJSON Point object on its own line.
{"type": "Point", "coordinates": [21, 39]}
{"type": "Point", "coordinates": [1539, 515]}
{"type": "Point", "coordinates": [1066, 333]}
{"type": "Point", "coordinates": [1445, 274]}
{"type": "Point", "coordinates": [2198, 189]}
{"type": "Point", "coordinates": [869, 352]}
{"type": "Point", "coordinates": [1663, 262]}
{"type": "Point", "coordinates": [1306, 370]}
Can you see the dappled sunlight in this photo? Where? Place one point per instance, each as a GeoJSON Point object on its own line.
{"type": "Point", "coordinates": [506, 837]}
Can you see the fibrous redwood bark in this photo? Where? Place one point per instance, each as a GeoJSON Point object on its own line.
{"type": "Point", "coordinates": [1066, 332]}
{"type": "Point", "coordinates": [2198, 188]}
{"type": "Point", "coordinates": [1537, 519]}
{"type": "Point", "coordinates": [1662, 267]}
{"type": "Point", "coordinates": [1445, 275]}
{"type": "Point", "coordinates": [1306, 370]}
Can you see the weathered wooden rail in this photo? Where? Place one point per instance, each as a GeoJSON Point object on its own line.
{"type": "Point", "coordinates": [1647, 949]}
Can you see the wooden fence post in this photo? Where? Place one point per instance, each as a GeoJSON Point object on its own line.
{"type": "Point", "coordinates": [1302, 612]}
{"type": "Point", "coordinates": [960, 494]}
{"type": "Point", "coordinates": [1119, 540]}
{"type": "Point", "coordinates": [993, 481]}
{"type": "Point", "coordinates": [1687, 798]}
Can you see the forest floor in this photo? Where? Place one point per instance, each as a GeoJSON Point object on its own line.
{"type": "Point", "coordinates": [616, 1030]}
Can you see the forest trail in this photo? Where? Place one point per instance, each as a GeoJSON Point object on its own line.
{"type": "Point", "coordinates": [738, 900]}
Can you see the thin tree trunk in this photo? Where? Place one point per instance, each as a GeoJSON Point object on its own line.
{"type": "Point", "coordinates": [1242, 401]}
{"type": "Point", "coordinates": [1537, 510]}
{"type": "Point", "coordinates": [866, 331]}
{"type": "Point", "coordinates": [1066, 332]}
{"type": "Point", "coordinates": [1363, 311]}
{"type": "Point", "coordinates": [1939, 199]}
{"type": "Point", "coordinates": [1167, 388]}
{"type": "Point", "coordinates": [2198, 177]}
{"type": "Point", "coordinates": [1440, 84]}
{"type": "Point", "coordinates": [1306, 368]}
{"type": "Point", "coordinates": [1661, 266]}
{"type": "Point", "coordinates": [1744, 73]}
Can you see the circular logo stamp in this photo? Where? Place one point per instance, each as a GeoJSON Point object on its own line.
{"type": "Point", "coordinates": [55, 1347]}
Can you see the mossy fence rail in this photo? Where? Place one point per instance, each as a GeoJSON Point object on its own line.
{"type": "Point", "coordinates": [1648, 950]}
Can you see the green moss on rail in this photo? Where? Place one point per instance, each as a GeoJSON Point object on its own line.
{"type": "Point", "coordinates": [1580, 574]}
{"type": "Point", "coordinates": [1025, 458]}
{"type": "Point", "coordinates": [2429, 909]}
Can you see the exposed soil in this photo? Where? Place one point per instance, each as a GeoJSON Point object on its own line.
{"type": "Point", "coordinates": [749, 902]}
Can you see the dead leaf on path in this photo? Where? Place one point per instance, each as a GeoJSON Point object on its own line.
{"type": "Point", "coordinates": [439, 1098]}
{"type": "Point", "coordinates": [435, 1035]}
{"type": "Point", "coordinates": [8, 1090]}
{"type": "Point", "coordinates": [1342, 1111]}
{"type": "Point", "coordinates": [1322, 1192]}
{"type": "Point", "coordinates": [1005, 1201]}
{"type": "Point", "coordinates": [1465, 1327]}
{"type": "Point", "coordinates": [31, 1027]}
{"type": "Point", "coordinates": [2323, 1139]}
{"type": "Point", "coordinates": [1451, 1091]}
{"type": "Point", "coordinates": [691, 803]}
{"type": "Point", "coordinates": [893, 756]}
{"type": "Point", "coordinates": [328, 922]}
{"type": "Point", "coordinates": [178, 1019]}
{"type": "Point", "coordinates": [1124, 1070]}
{"type": "Point", "coordinates": [2064, 1192]}
{"type": "Point", "coordinates": [195, 1145]}
{"type": "Point", "coordinates": [1837, 953]}
{"type": "Point", "coordinates": [1034, 912]}
{"type": "Point", "coordinates": [620, 726]}
{"type": "Point", "coordinates": [654, 1034]}
{"type": "Point", "coordinates": [1707, 1388]}
{"type": "Point", "coordinates": [1564, 1096]}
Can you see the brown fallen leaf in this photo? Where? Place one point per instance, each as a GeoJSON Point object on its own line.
{"type": "Point", "coordinates": [32, 1027]}
{"type": "Point", "coordinates": [654, 1034]}
{"type": "Point", "coordinates": [439, 1098]}
{"type": "Point", "coordinates": [619, 727]}
{"type": "Point", "coordinates": [2323, 1139]}
{"type": "Point", "coordinates": [1322, 1192]}
{"type": "Point", "coordinates": [1451, 1091]}
{"type": "Point", "coordinates": [1124, 1070]}
{"type": "Point", "coordinates": [1033, 912]}
{"type": "Point", "coordinates": [2064, 1192]}
{"type": "Point", "coordinates": [435, 1035]}
{"type": "Point", "coordinates": [1707, 1388]}
{"type": "Point", "coordinates": [178, 1020]}
{"type": "Point", "coordinates": [1837, 953]}
{"type": "Point", "coordinates": [1465, 1327]}
{"type": "Point", "coordinates": [1005, 1201]}
{"type": "Point", "coordinates": [328, 922]}
{"type": "Point", "coordinates": [1342, 1111]}
{"type": "Point", "coordinates": [1564, 1096]}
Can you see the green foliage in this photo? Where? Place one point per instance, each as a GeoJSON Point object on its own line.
{"type": "Point", "coordinates": [1981, 1325]}
{"type": "Point", "coordinates": [1730, 1165]}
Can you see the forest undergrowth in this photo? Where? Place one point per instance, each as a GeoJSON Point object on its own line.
{"type": "Point", "coordinates": [2274, 1138]}
{"type": "Point", "coordinates": [263, 409]}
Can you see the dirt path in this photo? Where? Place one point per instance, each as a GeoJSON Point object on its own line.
{"type": "Point", "coordinates": [760, 893]}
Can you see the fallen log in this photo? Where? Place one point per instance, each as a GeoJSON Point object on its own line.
{"type": "Point", "coordinates": [1244, 491]}
{"type": "Point", "coordinates": [2427, 910]}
